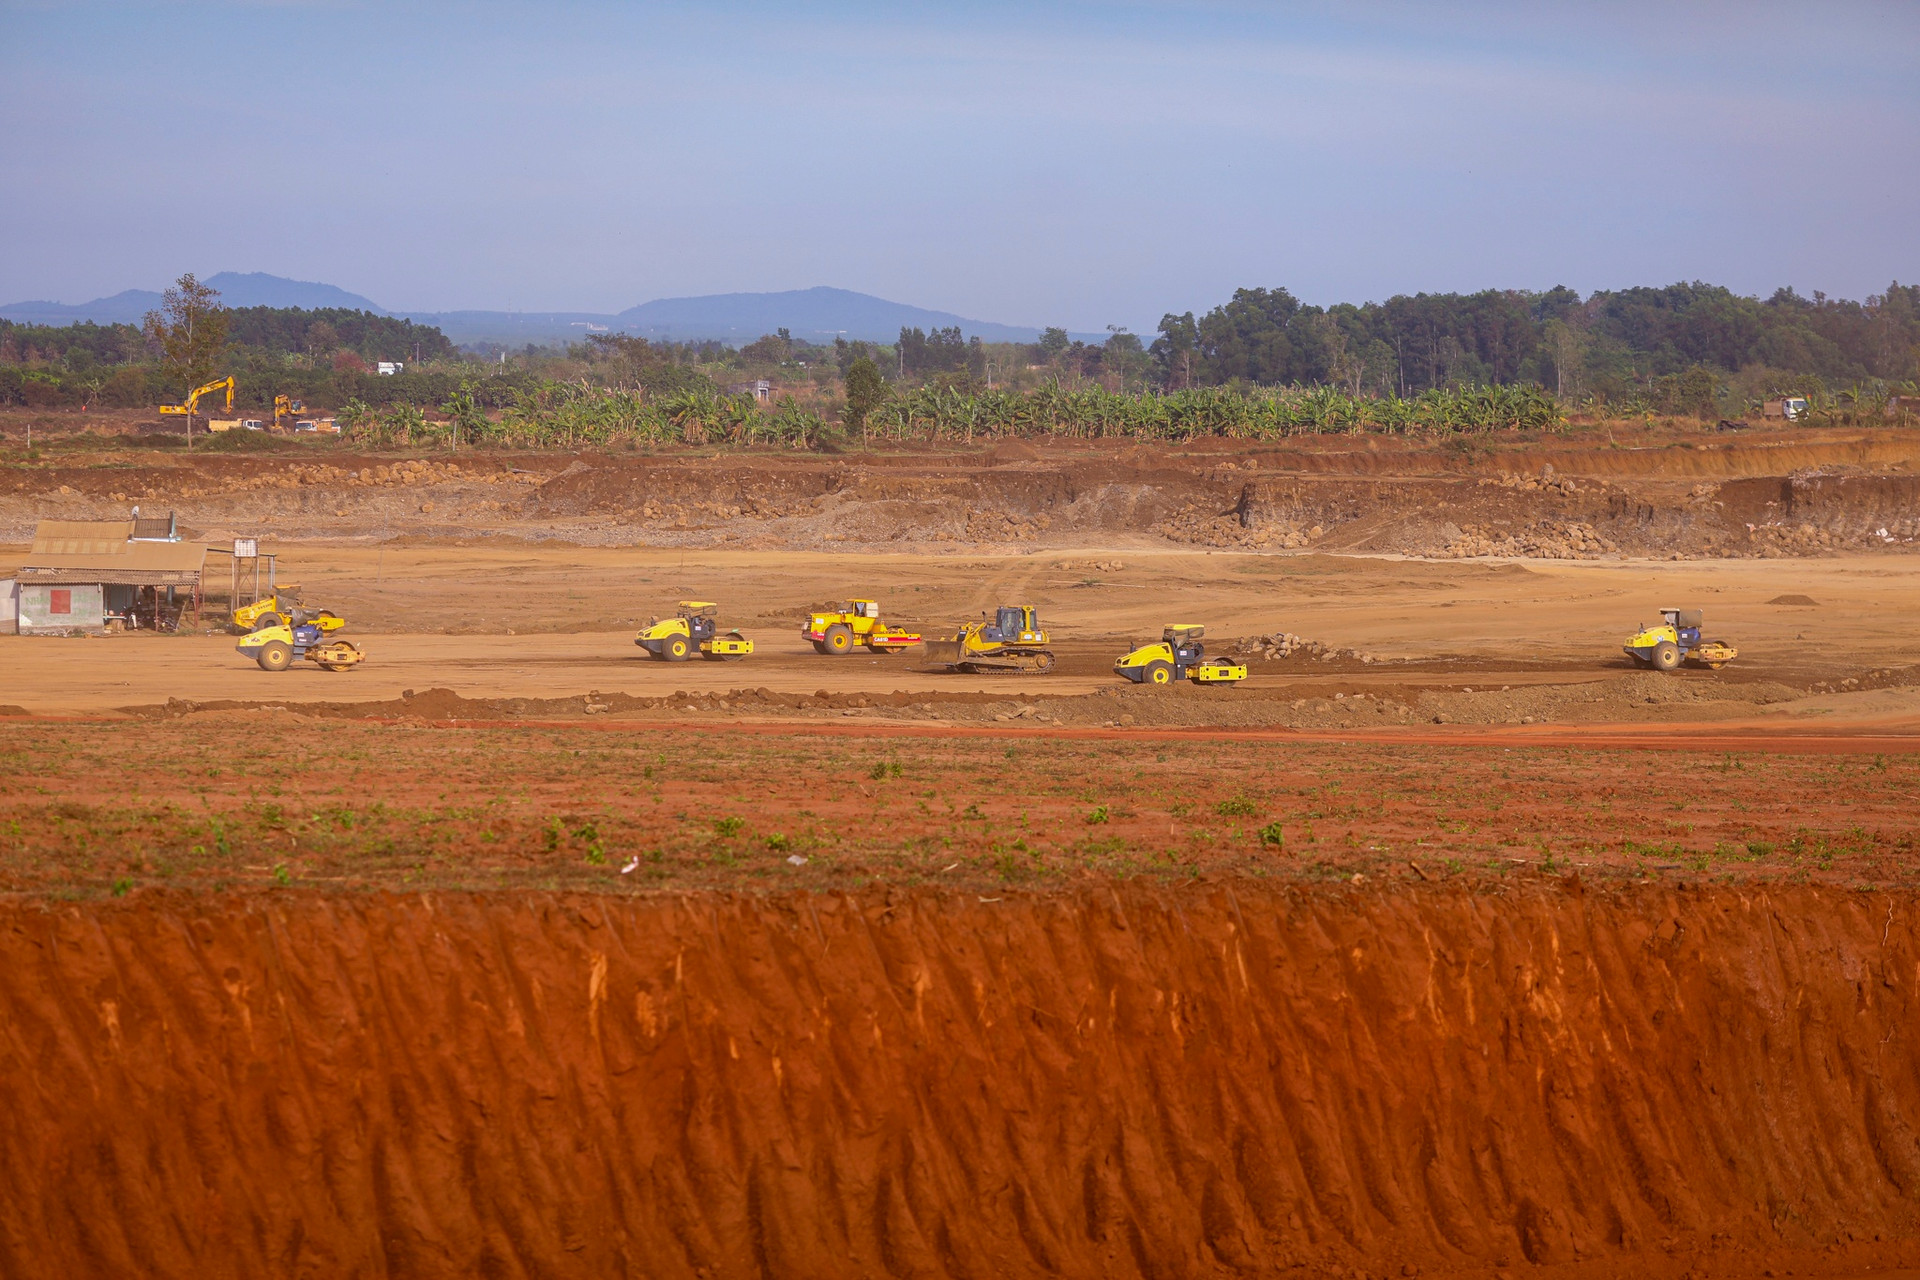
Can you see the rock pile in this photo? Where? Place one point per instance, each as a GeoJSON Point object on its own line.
{"type": "Point", "coordinates": [1546, 481]}
{"type": "Point", "coordinates": [1284, 644]}
{"type": "Point", "coordinates": [1801, 539]}
{"type": "Point", "coordinates": [1577, 540]}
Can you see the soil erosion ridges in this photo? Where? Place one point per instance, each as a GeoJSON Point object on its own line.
{"type": "Point", "coordinates": [1122, 1080]}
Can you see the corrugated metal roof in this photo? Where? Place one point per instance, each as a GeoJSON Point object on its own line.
{"type": "Point", "coordinates": [81, 537]}
{"type": "Point", "coordinates": [118, 575]}
{"type": "Point", "coordinates": [176, 557]}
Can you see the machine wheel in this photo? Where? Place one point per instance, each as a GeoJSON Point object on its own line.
{"type": "Point", "coordinates": [1159, 673]}
{"type": "Point", "coordinates": [275, 655]}
{"type": "Point", "coordinates": [819, 646]}
{"type": "Point", "coordinates": [839, 638]}
{"type": "Point", "coordinates": [676, 648]}
{"type": "Point", "coordinates": [266, 620]}
{"type": "Point", "coordinates": [1666, 655]}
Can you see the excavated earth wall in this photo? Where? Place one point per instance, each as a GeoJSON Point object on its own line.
{"type": "Point", "coordinates": [1742, 498]}
{"type": "Point", "coordinates": [1117, 1080]}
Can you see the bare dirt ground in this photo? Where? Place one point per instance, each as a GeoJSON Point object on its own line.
{"type": "Point", "coordinates": [1446, 945]}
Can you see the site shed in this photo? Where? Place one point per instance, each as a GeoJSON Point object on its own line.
{"type": "Point", "coordinates": [9, 607]}
{"type": "Point", "coordinates": [89, 574]}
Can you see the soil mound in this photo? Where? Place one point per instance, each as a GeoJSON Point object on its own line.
{"type": "Point", "coordinates": [1800, 600]}
{"type": "Point", "coordinates": [1120, 1081]}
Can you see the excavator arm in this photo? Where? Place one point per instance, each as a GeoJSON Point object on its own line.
{"type": "Point", "coordinates": [193, 399]}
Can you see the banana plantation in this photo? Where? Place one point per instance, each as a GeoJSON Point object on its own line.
{"type": "Point", "coordinates": [573, 415]}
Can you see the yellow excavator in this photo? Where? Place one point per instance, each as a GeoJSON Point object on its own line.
{"type": "Point", "coordinates": [192, 406]}
{"type": "Point", "coordinates": [285, 410]}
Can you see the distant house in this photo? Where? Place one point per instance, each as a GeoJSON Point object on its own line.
{"type": "Point", "coordinates": [89, 575]}
{"type": "Point", "coordinates": [760, 389]}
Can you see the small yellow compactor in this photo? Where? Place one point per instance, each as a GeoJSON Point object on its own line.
{"type": "Point", "coordinates": [301, 637]}
{"type": "Point", "coordinates": [1179, 655]}
{"type": "Point", "coordinates": [1676, 640]}
{"type": "Point", "coordinates": [692, 630]}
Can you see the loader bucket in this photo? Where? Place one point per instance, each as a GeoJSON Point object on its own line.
{"type": "Point", "coordinates": [941, 653]}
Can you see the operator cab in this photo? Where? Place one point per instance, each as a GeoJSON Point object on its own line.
{"type": "Point", "coordinates": [700, 617]}
{"type": "Point", "coordinates": [1685, 624]}
{"type": "Point", "coordinates": [1184, 640]}
{"type": "Point", "coordinates": [1012, 624]}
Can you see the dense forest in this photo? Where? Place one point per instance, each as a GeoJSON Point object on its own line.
{"type": "Point", "coordinates": [1692, 349]}
{"type": "Point", "coordinates": [1606, 346]}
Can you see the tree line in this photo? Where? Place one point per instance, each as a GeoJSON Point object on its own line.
{"type": "Point", "coordinates": [1684, 349]}
{"type": "Point", "coordinates": [1605, 348]}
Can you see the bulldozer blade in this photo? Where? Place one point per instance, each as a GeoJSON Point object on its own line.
{"type": "Point", "coordinates": [940, 653]}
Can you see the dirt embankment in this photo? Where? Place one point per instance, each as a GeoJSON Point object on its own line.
{"type": "Point", "coordinates": [1118, 1080]}
{"type": "Point", "coordinates": [1773, 495]}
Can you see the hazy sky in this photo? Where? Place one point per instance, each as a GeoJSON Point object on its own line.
{"type": "Point", "coordinates": [1075, 164]}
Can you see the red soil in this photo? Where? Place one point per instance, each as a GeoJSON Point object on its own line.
{"type": "Point", "coordinates": [1118, 1080]}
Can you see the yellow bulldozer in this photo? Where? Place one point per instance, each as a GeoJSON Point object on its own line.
{"type": "Point", "coordinates": [1011, 640]}
{"type": "Point", "coordinates": [856, 623]}
{"type": "Point", "coordinates": [695, 629]}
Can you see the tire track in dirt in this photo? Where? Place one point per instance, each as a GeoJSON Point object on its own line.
{"type": "Point", "coordinates": [1120, 1080]}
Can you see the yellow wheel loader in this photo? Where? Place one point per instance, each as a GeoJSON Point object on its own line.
{"type": "Point", "coordinates": [1179, 655]}
{"type": "Point", "coordinates": [301, 638]}
{"type": "Point", "coordinates": [1676, 640]}
{"type": "Point", "coordinates": [837, 631]}
{"type": "Point", "coordinates": [1011, 640]}
{"type": "Point", "coordinates": [694, 629]}
{"type": "Point", "coordinates": [279, 607]}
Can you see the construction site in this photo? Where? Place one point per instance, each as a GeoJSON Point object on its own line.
{"type": "Point", "coordinates": [1357, 857]}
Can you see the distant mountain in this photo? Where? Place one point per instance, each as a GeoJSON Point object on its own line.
{"type": "Point", "coordinates": [252, 289]}
{"type": "Point", "coordinates": [258, 289]}
{"type": "Point", "coordinates": [817, 315]}
{"type": "Point", "coordinates": [126, 307]}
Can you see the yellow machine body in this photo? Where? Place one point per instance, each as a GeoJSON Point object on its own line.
{"type": "Point", "coordinates": [837, 631]}
{"type": "Point", "coordinates": [278, 607]}
{"type": "Point", "coordinates": [193, 397]}
{"type": "Point", "coordinates": [1011, 640]}
{"type": "Point", "coordinates": [694, 629]}
{"type": "Point", "coordinates": [279, 646]}
{"type": "Point", "coordinates": [1676, 639]}
{"type": "Point", "coordinates": [1179, 654]}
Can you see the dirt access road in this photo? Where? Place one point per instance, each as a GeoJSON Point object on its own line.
{"type": "Point", "coordinates": [545, 622]}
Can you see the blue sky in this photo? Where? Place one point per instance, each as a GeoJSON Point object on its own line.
{"type": "Point", "coordinates": [1074, 164]}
